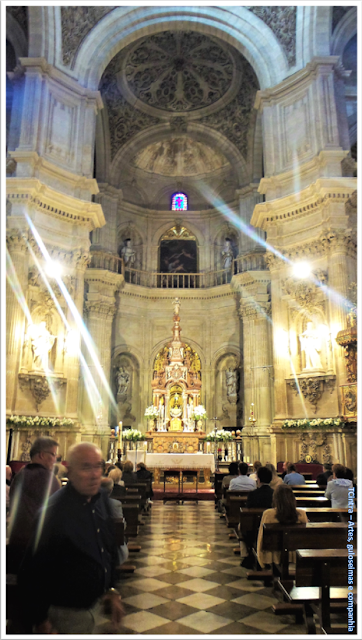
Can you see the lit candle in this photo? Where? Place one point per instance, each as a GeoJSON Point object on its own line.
{"type": "Point", "coordinates": [252, 410]}
{"type": "Point", "coordinates": [120, 435]}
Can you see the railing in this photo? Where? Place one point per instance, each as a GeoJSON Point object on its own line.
{"type": "Point", "coordinates": [158, 280]}
{"type": "Point", "coordinates": [104, 260]}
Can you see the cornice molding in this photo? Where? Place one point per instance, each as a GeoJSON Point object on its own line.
{"type": "Point", "coordinates": [309, 200]}
{"type": "Point", "coordinates": [55, 204]}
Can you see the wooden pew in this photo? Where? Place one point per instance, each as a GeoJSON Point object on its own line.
{"type": "Point", "coordinates": [308, 493]}
{"type": "Point", "coordinates": [310, 501]}
{"type": "Point", "coordinates": [311, 486]}
{"type": "Point", "coordinates": [218, 478]}
{"type": "Point", "coordinates": [234, 500]}
{"type": "Point", "coordinates": [141, 487]}
{"type": "Point", "coordinates": [313, 535]}
{"type": "Point", "coordinates": [321, 579]}
{"type": "Point", "coordinates": [328, 514]}
{"type": "Point", "coordinates": [130, 512]}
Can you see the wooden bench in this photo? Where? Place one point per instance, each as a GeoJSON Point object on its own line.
{"type": "Point", "coordinates": [313, 535]}
{"type": "Point", "coordinates": [308, 493]}
{"type": "Point", "coordinates": [329, 514]}
{"type": "Point", "coordinates": [321, 579]}
{"type": "Point", "coordinates": [130, 512]}
{"type": "Point", "coordinates": [312, 486]}
{"type": "Point", "coordinates": [234, 500]}
{"type": "Point", "coordinates": [312, 501]}
{"type": "Point", "coordinates": [141, 487]}
{"type": "Point", "coordinates": [218, 478]}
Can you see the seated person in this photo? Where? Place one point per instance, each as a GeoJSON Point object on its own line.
{"type": "Point", "coordinates": [275, 478]}
{"type": "Point", "coordinates": [262, 497]}
{"type": "Point", "coordinates": [284, 512]}
{"type": "Point", "coordinates": [119, 489]}
{"type": "Point", "coordinates": [285, 467]}
{"type": "Point", "coordinates": [117, 512]}
{"type": "Point", "coordinates": [293, 477]}
{"type": "Point", "coordinates": [256, 466]}
{"type": "Point", "coordinates": [263, 494]}
{"type": "Point", "coordinates": [322, 478]}
{"type": "Point", "coordinates": [338, 488]}
{"type": "Point", "coordinates": [233, 473]}
{"type": "Point", "coordinates": [129, 477]}
{"type": "Point", "coordinates": [242, 482]}
{"type": "Point", "coordinates": [144, 474]}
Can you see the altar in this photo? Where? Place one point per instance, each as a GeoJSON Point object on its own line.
{"type": "Point", "coordinates": [162, 461]}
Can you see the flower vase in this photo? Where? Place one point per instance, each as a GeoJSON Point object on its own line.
{"type": "Point", "coordinates": [155, 424]}
{"type": "Point", "coordinates": [199, 425]}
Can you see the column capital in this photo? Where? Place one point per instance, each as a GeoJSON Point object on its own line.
{"type": "Point", "coordinates": [101, 308]}
{"type": "Point", "coordinates": [253, 310]}
{"type": "Point", "coordinates": [17, 240]}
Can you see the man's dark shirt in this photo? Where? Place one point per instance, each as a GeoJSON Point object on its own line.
{"type": "Point", "coordinates": [129, 477]}
{"type": "Point", "coordinates": [322, 478]}
{"type": "Point", "coordinates": [28, 491]}
{"type": "Point", "coordinates": [145, 474]}
{"type": "Point", "coordinates": [260, 498]}
{"type": "Point", "coordinates": [75, 559]}
{"type": "Point", "coordinates": [118, 491]}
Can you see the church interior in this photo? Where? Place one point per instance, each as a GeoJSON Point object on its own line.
{"type": "Point", "coordinates": [181, 234]}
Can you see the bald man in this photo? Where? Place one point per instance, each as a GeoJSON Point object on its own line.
{"type": "Point", "coordinates": [76, 534]}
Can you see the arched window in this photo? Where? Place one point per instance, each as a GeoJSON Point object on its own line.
{"type": "Point", "coordinates": [179, 202]}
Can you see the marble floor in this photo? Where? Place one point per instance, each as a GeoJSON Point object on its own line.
{"type": "Point", "coordinates": [189, 582]}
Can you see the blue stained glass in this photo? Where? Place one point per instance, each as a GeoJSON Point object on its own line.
{"type": "Point", "coordinates": [179, 202]}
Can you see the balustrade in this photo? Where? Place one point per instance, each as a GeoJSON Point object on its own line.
{"type": "Point", "coordinates": [158, 280]}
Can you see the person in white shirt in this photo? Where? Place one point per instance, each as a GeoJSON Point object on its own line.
{"type": "Point", "coordinates": [242, 482]}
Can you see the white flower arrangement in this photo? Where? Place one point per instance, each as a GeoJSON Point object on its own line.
{"type": "Point", "coordinates": [38, 421]}
{"type": "Point", "coordinates": [199, 413]}
{"type": "Point", "coordinates": [151, 412]}
{"type": "Point", "coordinates": [221, 436]}
{"type": "Point", "coordinates": [311, 424]}
{"type": "Point", "coordinates": [133, 435]}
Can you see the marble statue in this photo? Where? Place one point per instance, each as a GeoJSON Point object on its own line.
{"type": "Point", "coordinates": [161, 410]}
{"type": "Point", "coordinates": [227, 254]}
{"type": "Point", "coordinates": [176, 306]}
{"type": "Point", "coordinates": [310, 344]}
{"type": "Point", "coordinates": [122, 381]}
{"type": "Point", "coordinates": [128, 253]}
{"type": "Point", "coordinates": [230, 382]}
{"type": "Point", "coordinates": [41, 342]}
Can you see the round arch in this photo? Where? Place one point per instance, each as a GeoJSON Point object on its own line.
{"type": "Point", "coordinates": [240, 28]}
{"type": "Point", "coordinates": [16, 36]}
{"type": "Point", "coordinates": [345, 30]}
{"type": "Point", "coordinates": [194, 345]}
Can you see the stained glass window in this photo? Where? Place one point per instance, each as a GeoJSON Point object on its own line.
{"type": "Point", "coordinates": [179, 202]}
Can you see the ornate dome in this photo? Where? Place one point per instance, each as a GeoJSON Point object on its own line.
{"type": "Point", "coordinates": [179, 71]}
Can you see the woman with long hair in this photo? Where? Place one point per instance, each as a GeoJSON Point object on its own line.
{"type": "Point", "coordinates": [284, 512]}
{"type": "Point", "coordinates": [276, 480]}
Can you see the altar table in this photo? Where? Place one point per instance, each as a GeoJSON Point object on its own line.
{"type": "Point", "coordinates": [159, 461]}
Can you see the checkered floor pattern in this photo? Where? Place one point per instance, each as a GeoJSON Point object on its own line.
{"type": "Point", "coordinates": [188, 581]}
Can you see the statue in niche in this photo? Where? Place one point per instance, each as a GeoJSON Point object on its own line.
{"type": "Point", "coordinates": [227, 255]}
{"type": "Point", "coordinates": [41, 342]}
{"type": "Point", "coordinates": [190, 408]}
{"type": "Point", "coordinates": [231, 382]}
{"type": "Point", "coordinates": [128, 253]}
{"type": "Point", "coordinates": [310, 344]}
{"type": "Point", "coordinates": [123, 378]}
{"type": "Point", "coordinates": [162, 409]}
{"type": "Point", "coordinates": [176, 305]}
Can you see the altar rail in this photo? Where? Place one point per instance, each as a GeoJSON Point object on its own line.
{"type": "Point", "coordinates": [158, 280]}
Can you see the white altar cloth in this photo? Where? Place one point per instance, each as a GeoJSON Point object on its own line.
{"type": "Point", "coordinates": [131, 455]}
{"type": "Point", "coordinates": [180, 461]}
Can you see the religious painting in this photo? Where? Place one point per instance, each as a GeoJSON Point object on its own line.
{"type": "Point", "coordinates": [178, 256]}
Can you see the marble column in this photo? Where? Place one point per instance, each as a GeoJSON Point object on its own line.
{"type": "Point", "coordinates": [101, 307]}
{"type": "Point", "coordinates": [15, 317]}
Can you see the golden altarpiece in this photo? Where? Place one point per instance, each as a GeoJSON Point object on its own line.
{"type": "Point", "coordinates": [176, 389]}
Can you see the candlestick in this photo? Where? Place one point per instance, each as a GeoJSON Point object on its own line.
{"type": "Point", "coordinates": [120, 435]}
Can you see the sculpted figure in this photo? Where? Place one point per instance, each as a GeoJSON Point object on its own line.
{"type": "Point", "coordinates": [231, 382]}
{"type": "Point", "coordinates": [310, 344]}
{"type": "Point", "coordinates": [128, 253]}
{"type": "Point", "coordinates": [227, 254]}
{"type": "Point", "coordinates": [122, 381]}
{"type": "Point", "coordinates": [41, 343]}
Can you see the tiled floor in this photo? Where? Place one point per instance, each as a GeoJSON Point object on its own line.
{"type": "Point", "coordinates": [188, 581]}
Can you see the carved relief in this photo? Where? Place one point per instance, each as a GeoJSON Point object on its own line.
{"type": "Point", "coordinates": [233, 121]}
{"type": "Point", "coordinates": [124, 119]}
{"type": "Point", "coordinates": [312, 388]}
{"type": "Point", "coordinates": [38, 386]}
{"type": "Point", "coordinates": [305, 292]}
{"type": "Point", "coordinates": [76, 24]}
{"type": "Point", "coordinates": [282, 21]}
{"type": "Point", "coordinates": [184, 71]}
{"type": "Point", "coordinates": [310, 442]}
{"type": "Point", "coordinates": [349, 400]}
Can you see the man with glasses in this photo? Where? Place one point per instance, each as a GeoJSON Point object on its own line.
{"type": "Point", "coordinates": [78, 535]}
{"type": "Point", "coordinates": [30, 489]}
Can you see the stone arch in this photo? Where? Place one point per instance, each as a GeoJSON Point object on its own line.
{"type": "Point", "coordinates": [162, 343]}
{"type": "Point", "coordinates": [16, 36]}
{"type": "Point", "coordinates": [162, 229]}
{"type": "Point", "coordinates": [344, 31]}
{"type": "Point", "coordinates": [224, 232]}
{"type": "Point", "coordinates": [240, 28]}
{"type": "Point", "coordinates": [54, 324]}
{"type": "Point", "coordinates": [313, 33]}
{"type": "Point", "coordinates": [45, 33]}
